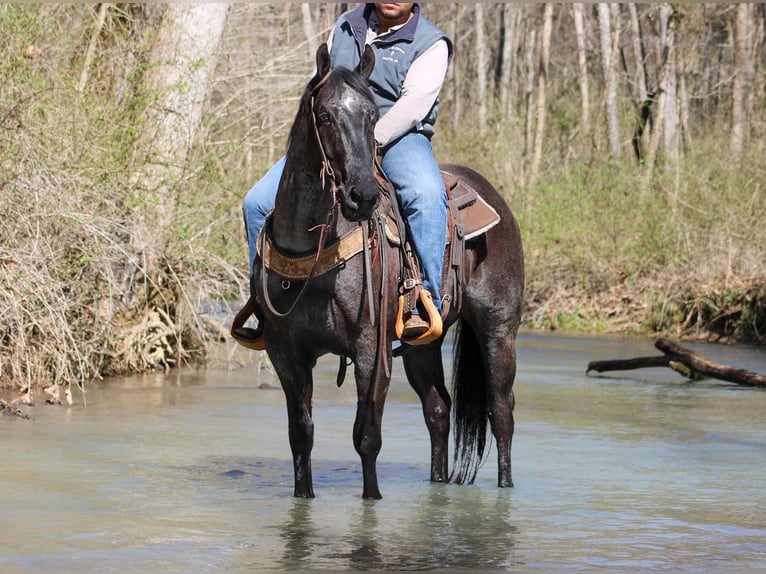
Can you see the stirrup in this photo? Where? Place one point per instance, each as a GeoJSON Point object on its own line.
{"type": "Point", "coordinates": [435, 326]}
{"type": "Point", "coordinates": [252, 339]}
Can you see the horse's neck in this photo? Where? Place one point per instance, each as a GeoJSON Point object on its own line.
{"type": "Point", "coordinates": [302, 205]}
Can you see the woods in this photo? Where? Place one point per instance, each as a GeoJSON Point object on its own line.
{"type": "Point", "coordinates": [628, 139]}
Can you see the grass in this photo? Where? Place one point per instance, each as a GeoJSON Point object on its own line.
{"type": "Point", "coordinates": [603, 256]}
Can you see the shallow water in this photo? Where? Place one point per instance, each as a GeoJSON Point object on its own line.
{"type": "Point", "coordinates": [191, 471]}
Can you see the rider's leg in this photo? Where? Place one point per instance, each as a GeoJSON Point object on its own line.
{"type": "Point", "coordinates": [257, 204]}
{"type": "Point", "coordinates": [410, 165]}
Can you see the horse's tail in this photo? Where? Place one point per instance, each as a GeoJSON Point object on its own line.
{"type": "Point", "coordinates": [469, 399]}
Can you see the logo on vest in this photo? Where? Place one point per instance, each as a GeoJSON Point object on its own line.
{"type": "Point", "coordinates": [393, 54]}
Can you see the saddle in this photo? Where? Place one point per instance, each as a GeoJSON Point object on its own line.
{"type": "Point", "coordinates": [470, 216]}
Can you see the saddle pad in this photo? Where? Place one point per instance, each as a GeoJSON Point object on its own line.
{"type": "Point", "coordinates": [474, 212]}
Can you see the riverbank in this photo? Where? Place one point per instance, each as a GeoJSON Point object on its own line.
{"type": "Point", "coordinates": [726, 312]}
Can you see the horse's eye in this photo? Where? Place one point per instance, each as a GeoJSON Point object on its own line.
{"type": "Point", "coordinates": [323, 118]}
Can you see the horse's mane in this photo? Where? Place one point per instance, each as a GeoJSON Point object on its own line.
{"type": "Point", "coordinates": [338, 78]}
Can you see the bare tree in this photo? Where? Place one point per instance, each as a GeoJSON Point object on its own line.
{"type": "Point", "coordinates": [309, 29]}
{"type": "Point", "coordinates": [180, 65]}
{"type": "Point", "coordinates": [582, 62]}
{"type": "Point", "coordinates": [453, 73]}
{"type": "Point", "coordinates": [643, 103]}
{"type": "Point", "coordinates": [510, 15]}
{"type": "Point", "coordinates": [481, 65]}
{"type": "Point", "coordinates": [638, 54]}
{"type": "Point", "coordinates": [542, 78]}
{"type": "Point", "coordinates": [530, 91]}
{"type": "Point", "coordinates": [668, 25]}
{"type": "Point", "coordinates": [102, 11]}
{"type": "Point", "coordinates": [669, 22]}
{"type": "Point", "coordinates": [743, 64]}
{"type": "Point", "coordinates": [610, 79]}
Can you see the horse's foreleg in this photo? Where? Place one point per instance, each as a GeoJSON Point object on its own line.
{"type": "Point", "coordinates": [502, 372]}
{"type": "Point", "coordinates": [425, 373]}
{"type": "Point", "coordinates": [371, 397]}
{"type": "Point", "coordinates": [298, 387]}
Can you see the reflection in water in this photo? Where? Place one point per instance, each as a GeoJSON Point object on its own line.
{"type": "Point", "coordinates": [466, 528]}
{"type": "Point", "coordinates": [298, 535]}
{"type": "Point", "coordinates": [365, 538]}
{"type": "Point", "coordinates": [630, 471]}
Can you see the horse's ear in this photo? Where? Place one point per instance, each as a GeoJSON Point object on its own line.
{"type": "Point", "coordinates": [367, 63]}
{"type": "Point", "coordinates": [323, 61]}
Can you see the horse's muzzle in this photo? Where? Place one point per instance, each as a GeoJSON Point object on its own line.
{"type": "Point", "coordinates": [358, 202]}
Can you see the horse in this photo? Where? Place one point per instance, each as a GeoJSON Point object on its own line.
{"type": "Point", "coordinates": [329, 191]}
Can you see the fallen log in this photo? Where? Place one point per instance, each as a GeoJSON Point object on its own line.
{"type": "Point", "coordinates": [684, 361]}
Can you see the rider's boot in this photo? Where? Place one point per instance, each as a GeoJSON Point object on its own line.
{"type": "Point", "coordinates": [415, 326]}
{"type": "Point", "coordinates": [424, 323]}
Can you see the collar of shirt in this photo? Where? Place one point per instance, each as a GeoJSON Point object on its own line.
{"type": "Point", "coordinates": [374, 26]}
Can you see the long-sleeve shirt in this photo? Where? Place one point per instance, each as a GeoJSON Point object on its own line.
{"type": "Point", "coordinates": [420, 89]}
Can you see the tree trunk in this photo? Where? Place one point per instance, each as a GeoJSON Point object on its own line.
{"type": "Point", "coordinates": [309, 30]}
{"type": "Point", "coordinates": [530, 93]}
{"type": "Point", "coordinates": [481, 66]}
{"type": "Point", "coordinates": [180, 65]}
{"type": "Point", "coordinates": [666, 91]}
{"type": "Point", "coordinates": [582, 61]}
{"type": "Point", "coordinates": [453, 73]}
{"type": "Point", "coordinates": [542, 78]}
{"type": "Point", "coordinates": [610, 80]}
{"type": "Point", "coordinates": [638, 54]}
{"type": "Point", "coordinates": [643, 102]}
{"type": "Point", "coordinates": [742, 77]}
{"type": "Point", "coordinates": [102, 11]}
{"type": "Point", "coordinates": [510, 31]}
{"type": "Point", "coordinates": [668, 23]}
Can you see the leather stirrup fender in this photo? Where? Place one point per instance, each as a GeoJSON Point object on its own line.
{"type": "Point", "coordinates": [434, 320]}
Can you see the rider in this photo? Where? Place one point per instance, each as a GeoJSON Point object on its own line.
{"type": "Point", "coordinates": [411, 60]}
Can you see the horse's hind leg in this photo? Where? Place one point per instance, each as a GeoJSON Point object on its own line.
{"type": "Point", "coordinates": [425, 373]}
{"type": "Point", "coordinates": [501, 372]}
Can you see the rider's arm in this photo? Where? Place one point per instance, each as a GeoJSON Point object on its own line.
{"type": "Point", "coordinates": [419, 92]}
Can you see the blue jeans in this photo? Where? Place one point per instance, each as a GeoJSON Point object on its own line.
{"type": "Point", "coordinates": [410, 165]}
{"type": "Point", "coordinates": [258, 202]}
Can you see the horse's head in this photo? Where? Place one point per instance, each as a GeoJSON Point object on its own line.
{"type": "Point", "coordinates": [344, 115]}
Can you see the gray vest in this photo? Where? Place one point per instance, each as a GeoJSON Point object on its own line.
{"type": "Point", "coordinates": [393, 55]}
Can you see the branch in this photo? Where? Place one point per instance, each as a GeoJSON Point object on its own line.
{"type": "Point", "coordinates": [684, 361]}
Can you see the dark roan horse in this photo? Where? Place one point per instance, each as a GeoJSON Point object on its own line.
{"type": "Point", "coordinates": [329, 189]}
